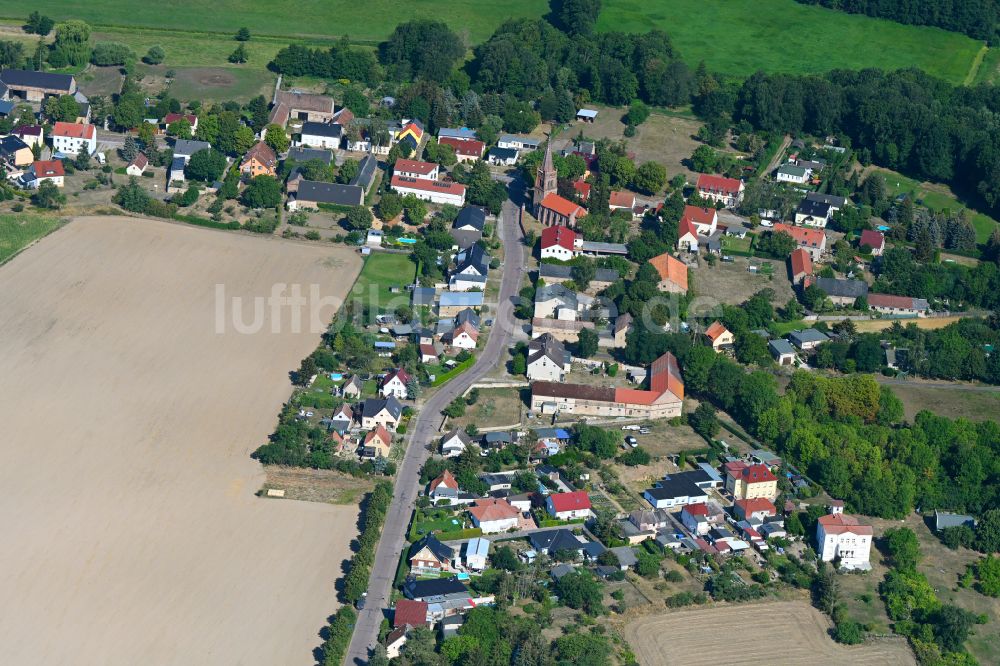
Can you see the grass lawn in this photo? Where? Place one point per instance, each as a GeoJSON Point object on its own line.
{"type": "Point", "coordinates": [731, 243]}
{"type": "Point", "coordinates": [382, 271]}
{"type": "Point", "coordinates": [937, 197]}
{"type": "Point", "coordinates": [742, 36]}
{"type": "Point", "coordinates": [19, 231]}
{"type": "Point", "coordinates": [950, 403]}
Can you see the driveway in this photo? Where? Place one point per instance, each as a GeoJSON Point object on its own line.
{"type": "Point", "coordinates": [424, 434]}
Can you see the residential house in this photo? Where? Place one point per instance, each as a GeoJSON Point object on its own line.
{"type": "Point", "coordinates": [396, 640]}
{"type": "Point", "coordinates": [176, 172]}
{"type": "Point", "coordinates": [15, 151]}
{"type": "Point", "coordinates": [812, 241]}
{"type": "Point", "coordinates": [514, 142]}
{"type": "Point", "coordinates": [297, 105]}
{"type": "Point", "coordinates": [468, 227]}
{"type": "Point", "coordinates": [801, 265]}
{"type": "Point", "coordinates": [411, 132]}
{"type": "Point", "coordinates": [477, 551]}
{"type": "Point", "coordinates": [376, 443]}
{"type": "Point", "coordinates": [299, 154]}
{"type": "Point", "coordinates": [554, 301]}
{"type": "Point", "coordinates": [874, 240]}
{"type": "Point", "coordinates": [705, 220]}
{"type": "Point", "coordinates": [454, 443]}
{"type": "Point", "coordinates": [435, 590]}
{"type": "Point", "coordinates": [645, 520]}
{"type": "Point", "coordinates": [811, 213]}
{"type": "Point", "coordinates": [260, 160]}
{"type": "Point", "coordinates": [463, 336]}
{"type": "Point", "coordinates": [746, 481]}
{"type": "Point", "coordinates": [493, 516]}
{"type": "Point", "coordinates": [842, 538]}
{"type": "Point", "coordinates": [687, 236]}
{"type": "Point", "coordinates": [623, 326]}
{"type": "Point", "coordinates": [416, 169]}
{"type": "Point", "coordinates": [321, 135]}
{"type": "Point", "coordinates": [466, 150]}
{"type": "Point", "coordinates": [310, 194]}
{"type": "Point", "coordinates": [185, 148]}
{"type": "Point", "coordinates": [453, 302]}
{"type": "Point", "coordinates": [719, 336]}
{"type": "Point", "coordinates": [563, 330]}
{"type": "Point", "coordinates": [582, 189]}
{"type": "Point", "coordinates": [394, 383]}
{"type": "Point", "coordinates": [172, 118]}
{"type": "Point", "coordinates": [32, 135]}
{"type": "Point", "coordinates": [137, 166]}
{"type": "Point", "coordinates": [558, 242]}
{"type": "Point", "coordinates": [342, 418]}
{"type": "Point", "coordinates": [352, 387]}
{"type": "Point", "coordinates": [898, 306]}
{"type": "Point", "coordinates": [727, 191]}
{"type": "Point", "coordinates": [621, 200]}
{"type": "Point", "coordinates": [36, 86]}
{"type": "Point", "coordinates": [553, 541]}
{"type": "Point", "coordinates": [842, 292]}
{"type": "Point", "coordinates": [782, 351]}
{"type": "Point", "coordinates": [758, 508]}
{"type": "Point", "coordinates": [560, 273]}
{"type": "Point", "coordinates": [677, 490]}
{"type": "Point", "coordinates": [434, 191]}
{"type": "Point", "coordinates": [568, 506]}
{"type": "Point", "coordinates": [695, 518]}
{"type": "Point", "coordinates": [672, 272]}
{"type": "Point", "coordinates": [835, 202]}
{"type": "Point", "coordinates": [502, 156]}
{"type": "Point", "coordinates": [430, 556]}
{"type": "Point", "coordinates": [42, 171]}
{"type": "Point", "coordinates": [664, 399]}
{"type": "Point", "coordinates": [71, 138]}
{"type": "Point", "coordinates": [808, 339]}
{"type": "Point", "coordinates": [548, 359]}
{"type": "Point", "coordinates": [409, 613]}
{"type": "Point", "coordinates": [472, 265]}
{"type": "Point", "coordinates": [792, 173]}
{"type": "Point", "coordinates": [385, 412]}
{"type": "Point", "coordinates": [626, 557]}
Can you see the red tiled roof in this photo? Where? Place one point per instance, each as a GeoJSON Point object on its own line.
{"type": "Point", "coordinates": [671, 269]}
{"type": "Point", "coordinates": [696, 509]}
{"type": "Point", "coordinates": [489, 510]}
{"type": "Point", "coordinates": [751, 473]}
{"type": "Point", "coordinates": [174, 117]}
{"type": "Point", "coordinates": [872, 239]}
{"type": "Point", "coordinates": [840, 523]}
{"type": "Point", "coordinates": [74, 130]}
{"type": "Point", "coordinates": [464, 327]}
{"type": "Point", "coordinates": [582, 188]}
{"type": "Point", "coordinates": [414, 166]}
{"type": "Point", "coordinates": [801, 262]}
{"type": "Point", "coordinates": [665, 375]}
{"type": "Point", "coordinates": [715, 330]}
{"type": "Point", "coordinates": [720, 184]}
{"type": "Point", "coordinates": [140, 161]}
{"type": "Point", "coordinates": [891, 301]}
{"type": "Point", "coordinates": [413, 613]}
{"type": "Point", "coordinates": [751, 506]}
{"type": "Point", "coordinates": [801, 235]}
{"type": "Point", "coordinates": [263, 154]}
{"type": "Point", "coordinates": [562, 206]}
{"type": "Point", "coordinates": [467, 147]}
{"type": "Point", "coordinates": [699, 215]}
{"type": "Point", "coordinates": [428, 349]}
{"type": "Point", "coordinates": [48, 169]}
{"type": "Point", "coordinates": [428, 185]}
{"type": "Point", "coordinates": [447, 479]}
{"type": "Point", "coordinates": [621, 199]}
{"type": "Point", "coordinates": [558, 235]}
{"type": "Point", "coordinates": [403, 375]}
{"type": "Point", "coordinates": [686, 227]}
{"type": "Point", "coordinates": [575, 501]}
{"type": "Point", "coordinates": [379, 433]}
{"type": "Point", "coordinates": [27, 130]}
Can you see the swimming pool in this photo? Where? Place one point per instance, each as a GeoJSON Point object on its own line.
{"type": "Point", "coordinates": [408, 241]}
{"type": "Point", "coordinates": [883, 227]}
{"type": "Point", "coordinates": [336, 376]}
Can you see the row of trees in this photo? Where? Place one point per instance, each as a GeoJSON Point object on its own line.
{"type": "Point", "coordinates": [976, 18]}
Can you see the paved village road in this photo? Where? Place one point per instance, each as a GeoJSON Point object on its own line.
{"type": "Point", "coordinates": [424, 429]}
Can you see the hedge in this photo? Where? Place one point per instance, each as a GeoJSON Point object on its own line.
{"type": "Point", "coordinates": [454, 372]}
{"type": "Point", "coordinates": [205, 222]}
{"type": "Point", "coordinates": [339, 638]}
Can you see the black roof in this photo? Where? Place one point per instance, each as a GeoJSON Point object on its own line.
{"type": "Point", "coordinates": [322, 129]}
{"type": "Point", "coordinates": [366, 172]}
{"type": "Point", "coordinates": [676, 486]}
{"type": "Point", "coordinates": [503, 153]}
{"type": "Point", "coordinates": [434, 587]}
{"type": "Point", "coordinates": [814, 208]}
{"type": "Point", "coordinates": [11, 144]}
{"type": "Point", "coordinates": [19, 78]}
{"type": "Point", "coordinates": [467, 315]}
{"type": "Point", "coordinates": [555, 541]}
{"type": "Point", "coordinates": [831, 199]}
{"type": "Point", "coordinates": [565, 272]}
{"type": "Point", "coordinates": [470, 216]}
{"type": "Point", "coordinates": [842, 288]}
{"type": "Point", "coordinates": [331, 193]}
{"type": "Point", "coordinates": [441, 551]}
{"type": "Point", "coordinates": [373, 406]}
{"type": "Point", "coordinates": [474, 257]}
{"type": "Point", "coordinates": [307, 154]}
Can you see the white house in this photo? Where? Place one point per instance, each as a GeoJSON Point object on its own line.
{"type": "Point", "coordinates": [476, 552]}
{"type": "Point", "coordinates": [841, 537]}
{"type": "Point", "coordinates": [394, 384]}
{"type": "Point", "coordinates": [512, 141]}
{"type": "Point", "coordinates": [502, 156]}
{"type": "Point", "coordinates": [44, 170]}
{"type": "Point", "coordinates": [792, 173]}
{"type": "Point", "coordinates": [677, 490]}
{"type": "Point", "coordinates": [321, 135]}
{"type": "Point", "coordinates": [70, 138]}
{"type": "Point", "coordinates": [438, 192]}
{"type": "Point", "coordinates": [416, 169]}
{"type": "Point", "coordinates": [463, 336]}
{"type": "Point", "coordinates": [548, 359]}
{"type": "Point", "coordinates": [454, 443]}
{"type": "Point", "coordinates": [493, 515]}
{"type": "Point", "coordinates": [558, 242]}
{"type": "Point", "coordinates": [568, 506]}
{"type": "Point", "coordinates": [137, 165]}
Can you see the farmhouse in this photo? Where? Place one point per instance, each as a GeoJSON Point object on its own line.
{"type": "Point", "coordinates": [71, 138]}
{"type": "Point", "coordinates": [297, 105]}
{"type": "Point", "coordinates": [812, 241]}
{"type": "Point", "coordinates": [673, 274]}
{"type": "Point", "coordinates": [664, 399]}
{"type": "Point", "coordinates": [36, 86]}
{"type": "Point", "coordinates": [494, 515]}
{"type": "Point", "coordinates": [548, 359]}
{"type": "Point", "coordinates": [840, 291]}
{"type": "Point", "coordinates": [727, 191]}
{"type": "Point", "coordinates": [801, 265]}
{"type": "Point", "coordinates": [568, 506]}
{"type": "Point", "coordinates": [898, 306]}
{"type": "Point", "coordinates": [42, 171]}
{"type": "Point", "coordinates": [841, 537]}
{"type": "Point", "coordinates": [437, 192]}
{"type": "Point", "coordinates": [466, 150]}
{"type": "Point", "coordinates": [310, 194]}
{"type": "Point", "coordinates": [137, 166]}
{"type": "Point", "coordinates": [874, 240]}
{"type": "Point", "coordinates": [260, 160]}
{"type": "Point", "coordinates": [321, 135]}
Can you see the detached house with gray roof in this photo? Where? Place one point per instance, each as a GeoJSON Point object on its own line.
{"type": "Point", "coordinates": [548, 359]}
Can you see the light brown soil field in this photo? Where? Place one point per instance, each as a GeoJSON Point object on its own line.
{"type": "Point", "coordinates": [131, 531]}
{"type": "Point", "coordinates": [316, 485]}
{"type": "Point", "coordinates": [791, 632]}
{"type": "Point", "coordinates": [926, 323]}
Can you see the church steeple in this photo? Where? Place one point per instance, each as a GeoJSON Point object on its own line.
{"type": "Point", "coordinates": [545, 178]}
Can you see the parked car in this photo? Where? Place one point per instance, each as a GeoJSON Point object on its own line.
{"type": "Point", "coordinates": [632, 441]}
{"type": "Point", "coordinates": [630, 427]}
{"type": "Point", "coordinates": [644, 431]}
{"type": "Point", "coordinates": [766, 223]}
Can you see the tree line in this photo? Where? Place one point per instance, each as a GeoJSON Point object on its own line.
{"type": "Point", "coordinates": [976, 18]}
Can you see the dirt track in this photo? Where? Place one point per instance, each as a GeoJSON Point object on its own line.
{"type": "Point", "coordinates": [131, 533]}
{"type": "Point", "coordinates": [781, 632]}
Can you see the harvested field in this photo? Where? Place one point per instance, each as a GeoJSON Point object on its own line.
{"type": "Point", "coordinates": [926, 323]}
{"type": "Point", "coordinates": [795, 631]}
{"type": "Point", "coordinates": [965, 401]}
{"type": "Point", "coordinates": [132, 532]}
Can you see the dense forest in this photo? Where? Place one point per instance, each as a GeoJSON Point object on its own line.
{"type": "Point", "coordinates": [975, 18]}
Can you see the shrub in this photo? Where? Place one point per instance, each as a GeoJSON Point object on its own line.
{"type": "Point", "coordinates": [106, 54]}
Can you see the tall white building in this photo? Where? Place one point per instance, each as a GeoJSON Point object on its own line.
{"type": "Point", "coordinates": [841, 537]}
